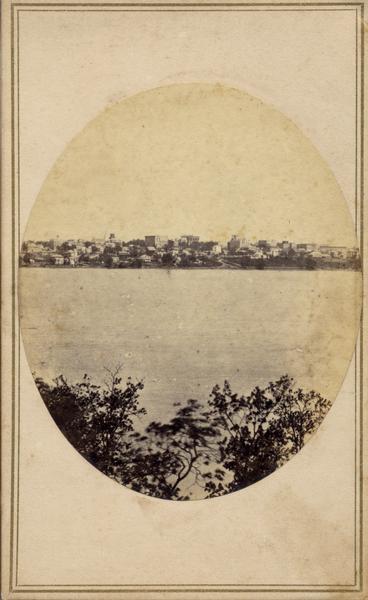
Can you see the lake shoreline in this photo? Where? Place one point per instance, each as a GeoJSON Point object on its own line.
{"type": "Point", "coordinates": [197, 268]}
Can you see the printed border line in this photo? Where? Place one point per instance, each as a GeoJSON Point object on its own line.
{"type": "Point", "coordinates": [18, 324]}
{"type": "Point", "coordinates": [186, 5]}
{"type": "Point", "coordinates": [13, 302]}
{"type": "Point", "coordinates": [181, 10]}
{"type": "Point", "coordinates": [14, 265]}
{"type": "Point", "coordinates": [16, 178]}
{"type": "Point", "coordinates": [185, 589]}
{"type": "Point", "coordinates": [18, 238]}
{"type": "Point", "coordinates": [362, 158]}
{"type": "Point", "coordinates": [321, 587]}
{"type": "Point", "coordinates": [357, 352]}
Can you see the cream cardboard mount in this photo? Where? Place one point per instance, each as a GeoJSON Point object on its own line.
{"type": "Point", "coordinates": [182, 283]}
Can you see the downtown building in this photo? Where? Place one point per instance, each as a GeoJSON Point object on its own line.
{"type": "Point", "coordinates": [156, 241]}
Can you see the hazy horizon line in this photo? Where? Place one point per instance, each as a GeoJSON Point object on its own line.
{"type": "Point", "coordinates": [117, 237]}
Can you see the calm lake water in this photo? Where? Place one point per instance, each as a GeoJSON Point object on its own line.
{"type": "Point", "coordinates": [184, 331]}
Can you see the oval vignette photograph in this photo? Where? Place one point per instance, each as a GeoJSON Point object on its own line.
{"type": "Point", "coordinates": [190, 291]}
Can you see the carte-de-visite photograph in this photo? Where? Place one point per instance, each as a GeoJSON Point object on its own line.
{"type": "Point", "coordinates": [189, 291]}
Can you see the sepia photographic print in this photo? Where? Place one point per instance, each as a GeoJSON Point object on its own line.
{"type": "Point", "coordinates": [195, 361]}
{"type": "Point", "coordinates": [183, 303]}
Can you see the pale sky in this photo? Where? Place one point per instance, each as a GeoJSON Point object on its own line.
{"type": "Point", "coordinates": [194, 159]}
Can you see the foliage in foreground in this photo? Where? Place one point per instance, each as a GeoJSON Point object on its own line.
{"type": "Point", "coordinates": [224, 445]}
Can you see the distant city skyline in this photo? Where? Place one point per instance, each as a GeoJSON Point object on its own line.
{"type": "Point", "coordinates": [187, 251]}
{"type": "Point", "coordinates": [114, 236]}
